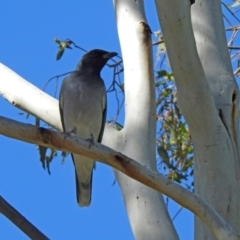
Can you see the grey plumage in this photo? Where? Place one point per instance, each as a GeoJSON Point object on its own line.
{"type": "Point", "coordinates": [83, 106]}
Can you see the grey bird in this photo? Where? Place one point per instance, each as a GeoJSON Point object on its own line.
{"type": "Point", "coordinates": [83, 106]}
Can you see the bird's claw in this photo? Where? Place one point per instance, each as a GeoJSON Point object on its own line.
{"type": "Point", "coordinates": [70, 133]}
{"type": "Point", "coordinates": [90, 140]}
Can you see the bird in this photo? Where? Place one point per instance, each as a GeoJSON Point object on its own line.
{"type": "Point", "coordinates": [83, 107]}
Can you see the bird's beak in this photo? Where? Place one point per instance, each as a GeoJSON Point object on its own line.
{"type": "Point", "coordinates": [110, 55]}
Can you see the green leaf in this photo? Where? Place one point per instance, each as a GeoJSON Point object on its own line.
{"type": "Point", "coordinates": [64, 156]}
{"type": "Point", "coordinates": [170, 76]}
{"type": "Point", "coordinates": [235, 4]}
{"type": "Point", "coordinates": [122, 87]}
{"type": "Point", "coordinates": [60, 53]}
{"type": "Point", "coordinates": [37, 122]}
{"type": "Point", "coordinates": [162, 73]}
{"type": "Point", "coordinates": [163, 154]}
{"type": "Point", "coordinates": [118, 126]}
{"type": "Point", "coordinates": [42, 153]}
{"type": "Point", "coordinates": [62, 46]}
{"type": "Point", "coordinates": [161, 48]}
{"type": "Point", "coordinates": [50, 158]}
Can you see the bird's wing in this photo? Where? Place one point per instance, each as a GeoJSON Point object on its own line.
{"type": "Point", "coordinates": [104, 115]}
{"type": "Point", "coordinates": [61, 114]}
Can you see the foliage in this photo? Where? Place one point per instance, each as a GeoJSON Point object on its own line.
{"type": "Point", "coordinates": [174, 145]}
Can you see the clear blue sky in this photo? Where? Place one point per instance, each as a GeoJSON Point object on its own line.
{"type": "Point", "coordinates": [49, 202]}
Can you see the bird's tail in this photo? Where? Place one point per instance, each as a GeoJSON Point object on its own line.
{"type": "Point", "coordinates": [83, 170]}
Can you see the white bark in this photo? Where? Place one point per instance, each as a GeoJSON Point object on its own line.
{"type": "Point", "coordinates": [224, 192]}
{"type": "Point", "coordinates": [147, 213]}
{"type": "Point", "coordinates": [216, 166]}
{"type": "Point", "coordinates": [126, 165]}
{"type": "Point", "coordinates": [43, 106]}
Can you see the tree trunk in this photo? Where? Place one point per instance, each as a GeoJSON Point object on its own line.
{"type": "Point", "coordinates": [146, 209]}
{"type": "Point", "coordinates": [211, 114]}
{"type": "Point", "coordinates": [216, 167]}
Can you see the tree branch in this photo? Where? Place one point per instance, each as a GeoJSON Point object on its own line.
{"type": "Point", "coordinates": [20, 221]}
{"type": "Point", "coordinates": [128, 166]}
{"type": "Point", "coordinates": [47, 106]}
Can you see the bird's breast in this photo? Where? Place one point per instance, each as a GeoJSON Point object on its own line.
{"type": "Point", "coordinates": [83, 108]}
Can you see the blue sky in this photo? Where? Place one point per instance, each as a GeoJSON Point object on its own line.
{"type": "Point", "coordinates": [49, 202]}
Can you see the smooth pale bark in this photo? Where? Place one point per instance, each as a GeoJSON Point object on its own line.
{"type": "Point", "coordinates": [217, 180]}
{"type": "Point", "coordinates": [29, 97]}
{"type": "Point", "coordinates": [146, 209]}
{"type": "Point", "coordinates": [216, 165]}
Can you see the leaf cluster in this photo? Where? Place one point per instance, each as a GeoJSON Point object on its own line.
{"type": "Point", "coordinates": [174, 145]}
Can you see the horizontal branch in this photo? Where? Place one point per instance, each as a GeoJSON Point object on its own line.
{"type": "Point", "coordinates": [126, 165]}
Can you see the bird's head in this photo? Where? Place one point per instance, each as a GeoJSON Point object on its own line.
{"type": "Point", "coordinates": [95, 60]}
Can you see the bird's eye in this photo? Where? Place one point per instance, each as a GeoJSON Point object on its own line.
{"type": "Point", "coordinates": [94, 53]}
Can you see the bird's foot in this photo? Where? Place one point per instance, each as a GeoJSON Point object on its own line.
{"type": "Point", "coordinates": [90, 140]}
{"type": "Point", "coordinates": [70, 133]}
